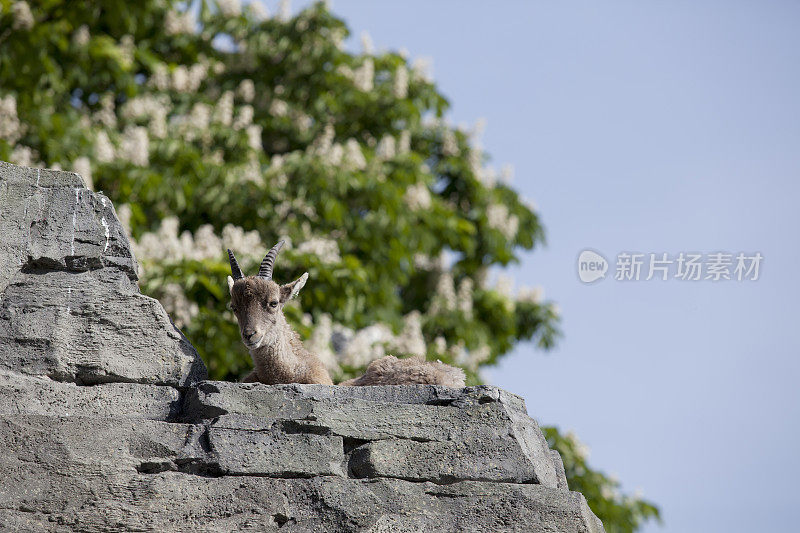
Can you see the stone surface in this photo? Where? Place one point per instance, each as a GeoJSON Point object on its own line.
{"type": "Point", "coordinates": [485, 431]}
{"type": "Point", "coordinates": [276, 453]}
{"type": "Point", "coordinates": [106, 424]}
{"type": "Point", "coordinates": [21, 394]}
{"type": "Point", "coordinates": [69, 305]}
{"type": "Point", "coordinates": [443, 462]}
{"type": "Point", "coordinates": [172, 501]}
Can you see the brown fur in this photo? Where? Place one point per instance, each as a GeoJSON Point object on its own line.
{"type": "Point", "coordinates": [280, 357]}
{"type": "Point", "coordinates": [390, 370]}
{"type": "Point", "coordinates": [278, 354]}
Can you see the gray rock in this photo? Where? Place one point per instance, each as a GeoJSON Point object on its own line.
{"type": "Point", "coordinates": [176, 501]}
{"type": "Point", "coordinates": [69, 305]}
{"type": "Point", "coordinates": [22, 394]}
{"type": "Point", "coordinates": [444, 462]}
{"type": "Point", "coordinates": [212, 398]}
{"type": "Point", "coordinates": [106, 424]}
{"type": "Point", "coordinates": [474, 422]}
{"type": "Point", "coordinates": [561, 474]}
{"type": "Point", "coordinates": [51, 220]}
{"type": "Point", "coordinates": [276, 453]}
{"type": "Point", "coordinates": [90, 446]}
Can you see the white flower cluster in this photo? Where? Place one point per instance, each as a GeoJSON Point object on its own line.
{"type": "Point", "coordinates": [324, 142]}
{"type": "Point", "coordinates": [135, 146]}
{"type": "Point", "coordinates": [400, 86]}
{"type": "Point", "coordinates": [581, 449]}
{"type": "Point", "coordinates": [444, 298]}
{"type": "Point", "coordinates": [320, 342]}
{"type": "Point", "coordinates": [284, 10]}
{"type": "Point", "coordinates": [365, 345]}
{"type": "Point", "coordinates": [10, 127]}
{"type": "Point", "coordinates": [179, 308]}
{"type": "Point", "coordinates": [410, 340]}
{"type": "Point", "coordinates": [439, 345]}
{"type": "Point", "coordinates": [504, 285]}
{"type": "Point", "coordinates": [124, 216]}
{"type": "Point", "coordinates": [153, 108]}
{"type": "Point", "coordinates": [331, 153]}
{"type": "Point", "coordinates": [486, 175]}
{"type": "Point", "coordinates": [23, 18]}
{"type": "Point", "coordinates": [530, 294]}
{"type": "Point", "coordinates": [103, 149]}
{"type": "Point", "coordinates": [198, 118]}
{"type": "Point", "coordinates": [106, 115]}
{"type": "Point", "coordinates": [223, 111]}
{"type": "Point", "coordinates": [366, 43]}
{"type": "Point", "coordinates": [81, 36]}
{"type": "Point", "coordinates": [254, 136]}
{"type": "Point", "coordinates": [165, 245]}
{"type": "Point", "coordinates": [296, 206]}
{"type": "Point", "coordinates": [326, 250]}
{"type": "Point", "coordinates": [183, 79]}
{"type": "Point", "coordinates": [449, 142]}
{"type": "Point", "coordinates": [353, 155]}
{"type": "Point", "coordinates": [83, 167]}
{"type": "Point", "coordinates": [243, 118]}
{"type": "Point", "coordinates": [234, 237]}
{"type": "Point", "coordinates": [258, 11]}
{"type": "Point", "coordinates": [499, 218]}
{"type": "Point", "coordinates": [302, 121]}
{"type": "Point", "coordinates": [404, 142]}
{"type": "Point", "coordinates": [247, 89]}
{"type": "Point", "coordinates": [337, 344]}
{"type": "Point", "coordinates": [230, 8]}
{"type": "Point", "coordinates": [177, 23]}
{"type": "Point", "coordinates": [364, 76]}
{"type": "Point", "coordinates": [194, 124]}
{"type": "Point", "coordinates": [24, 156]}
{"type": "Point", "coordinates": [250, 171]}
{"type": "Point", "coordinates": [337, 37]}
{"type": "Point", "coordinates": [464, 296]}
{"type": "Point", "coordinates": [470, 359]}
{"type": "Point", "coordinates": [386, 148]}
{"type": "Point", "coordinates": [160, 78]}
{"type": "Point", "coordinates": [422, 69]}
{"type": "Point", "coordinates": [278, 108]}
{"type": "Point", "coordinates": [424, 262]}
{"type": "Point", "coordinates": [418, 196]}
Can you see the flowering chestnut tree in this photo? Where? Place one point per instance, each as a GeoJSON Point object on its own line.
{"type": "Point", "coordinates": [216, 125]}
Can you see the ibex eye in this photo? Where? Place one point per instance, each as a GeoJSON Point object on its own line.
{"type": "Point", "coordinates": [273, 304]}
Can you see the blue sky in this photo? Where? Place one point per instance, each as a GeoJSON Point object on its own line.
{"type": "Point", "coordinates": [651, 127]}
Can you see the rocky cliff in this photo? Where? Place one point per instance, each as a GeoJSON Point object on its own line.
{"type": "Point", "coordinates": [107, 424]}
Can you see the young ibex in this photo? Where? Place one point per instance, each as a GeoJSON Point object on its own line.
{"type": "Point", "coordinates": [278, 353]}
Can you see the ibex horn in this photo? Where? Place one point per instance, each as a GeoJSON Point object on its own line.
{"type": "Point", "coordinates": [265, 270]}
{"type": "Point", "coordinates": [236, 272]}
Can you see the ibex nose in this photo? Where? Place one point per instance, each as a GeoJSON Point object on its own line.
{"type": "Point", "coordinates": [249, 333]}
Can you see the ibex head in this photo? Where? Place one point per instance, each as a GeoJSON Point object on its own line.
{"type": "Point", "coordinates": [258, 301]}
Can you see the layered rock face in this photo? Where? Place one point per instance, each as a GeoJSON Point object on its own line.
{"type": "Point", "coordinates": [107, 424]}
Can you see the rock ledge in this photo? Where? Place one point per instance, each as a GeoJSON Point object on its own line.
{"type": "Point", "coordinates": [107, 424]}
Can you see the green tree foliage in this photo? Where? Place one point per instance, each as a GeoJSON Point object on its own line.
{"type": "Point", "coordinates": [219, 126]}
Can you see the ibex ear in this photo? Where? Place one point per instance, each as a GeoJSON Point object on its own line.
{"type": "Point", "coordinates": [290, 290]}
{"type": "Point", "coordinates": [230, 285]}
